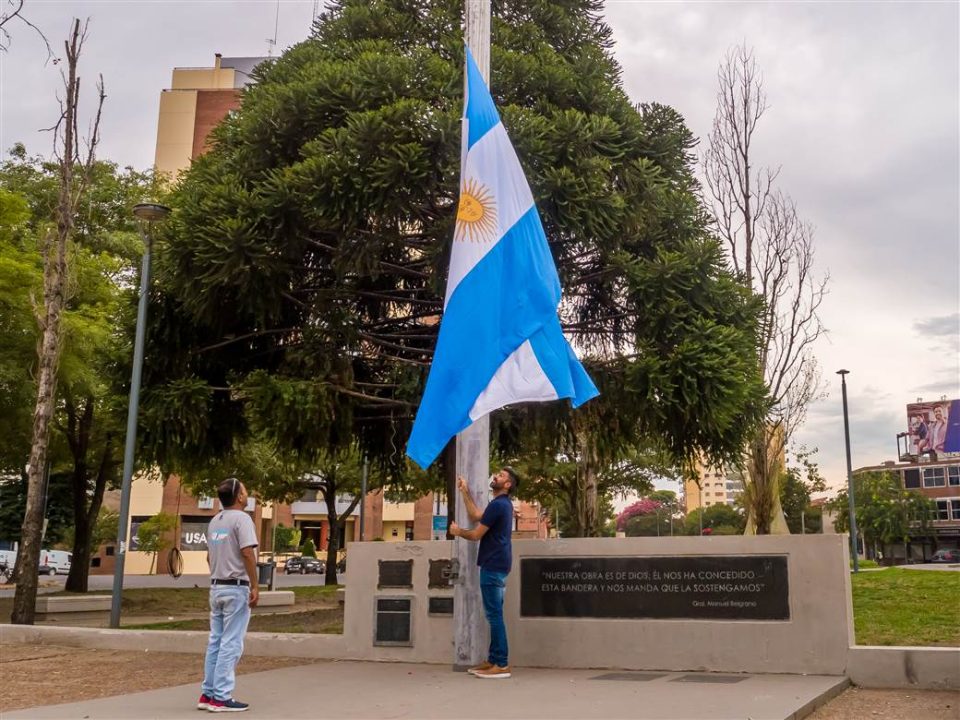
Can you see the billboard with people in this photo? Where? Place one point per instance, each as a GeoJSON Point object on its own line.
{"type": "Point", "coordinates": [934, 428]}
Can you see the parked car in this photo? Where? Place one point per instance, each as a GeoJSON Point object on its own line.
{"type": "Point", "coordinates": [304, 565]}
{"type": "Point", "coordinates": [57, 562]}
{"type": "Point", "coordinates": [946, 556]}
{"type": "Point", "coordinates": [342, 565]}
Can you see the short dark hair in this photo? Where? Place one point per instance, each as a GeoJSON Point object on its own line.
{"type": "Point", "coordinates": [228, 491]}
{"type": "Point", "coordinates": [514, 479]}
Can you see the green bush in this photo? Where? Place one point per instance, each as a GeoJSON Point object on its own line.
{"type": "Point", "coordinates": [287, 538]}
{"type": "Point", "coordinates": [309, 549]}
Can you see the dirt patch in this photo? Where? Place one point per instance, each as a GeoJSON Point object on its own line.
{"type": "Point", "coordinates": [36, 675]}
{"type": "Point", "coordinates": [862, 704]}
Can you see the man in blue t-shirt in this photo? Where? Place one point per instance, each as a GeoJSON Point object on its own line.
{"type": "Point", "coordinates": [495, 558]}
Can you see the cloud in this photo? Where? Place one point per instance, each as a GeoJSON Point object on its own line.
{"type": "Point", "coordinates": [864, 107]}
{"type": "Point", "coordinates": [937, 326]}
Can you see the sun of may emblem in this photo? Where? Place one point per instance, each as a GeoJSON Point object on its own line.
{"type": "Point", "coordinates": [476, 214]}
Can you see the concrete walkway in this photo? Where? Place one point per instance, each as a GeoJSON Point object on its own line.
{"type": "Point", "coordinates": [352, 690]}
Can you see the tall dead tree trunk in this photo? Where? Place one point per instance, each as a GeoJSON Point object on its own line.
{"type": "Point", "coordinates": [772, 249]}
{"type": "Point", "coordinates": [74, 178]}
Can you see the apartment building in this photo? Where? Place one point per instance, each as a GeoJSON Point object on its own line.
{"type": "Point", "coordinates": [198, 99]}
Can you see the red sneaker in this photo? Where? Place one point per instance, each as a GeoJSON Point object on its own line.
{"type": "Point", "coordinates": [204, 702]}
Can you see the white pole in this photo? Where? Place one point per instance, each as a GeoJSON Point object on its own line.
{"type": "Point", "coordinates": [470, 633]}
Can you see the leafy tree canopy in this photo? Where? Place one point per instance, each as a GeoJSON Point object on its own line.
{"type": "Point", "coordinates": [302, 273]}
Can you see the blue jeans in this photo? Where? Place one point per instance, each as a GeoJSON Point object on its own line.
{"type": "Point", "coordinates": [229, 615]}
{"type": "Point", "coordinates": [492, 585]}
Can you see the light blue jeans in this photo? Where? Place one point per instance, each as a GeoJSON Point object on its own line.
{"type": "Point", "coordinates": [229, 615]}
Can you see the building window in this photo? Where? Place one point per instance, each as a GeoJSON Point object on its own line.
{"type": "Point", "coordinates": [934, 477]}
{"type": "Point", "coordinates": [955, 508]}
{"type": "Point", "coordinates": [205, 503]}
{"type": "Point", "coordinates": [109, 551]}
{"type": "Point", "coordinates": [943, 510]}
{"type": "Point", "coordinates": [953, 475]}
{"type": "Point", "coordinates": [911, 478]}
{"type": "Point", "coordinates": [95, 562]}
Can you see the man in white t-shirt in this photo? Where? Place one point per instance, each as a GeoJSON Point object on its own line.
{"type": "Point", "coordinates": [232, 556]}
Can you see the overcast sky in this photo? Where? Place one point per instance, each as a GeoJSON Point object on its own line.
{"type": "Point", "coordinates": [863, 119]}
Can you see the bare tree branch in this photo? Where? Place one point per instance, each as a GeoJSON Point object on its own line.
{"type": "Point", "coordinates": [14, 12]}
{"type": "Point", "coordinates": [772, 249]}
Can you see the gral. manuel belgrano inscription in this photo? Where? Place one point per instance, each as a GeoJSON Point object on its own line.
{"type": "Point", "coordinates": [706, 587]}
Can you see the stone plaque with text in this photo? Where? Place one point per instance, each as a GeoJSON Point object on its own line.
{"type": "Point", "coordinates": [697, 587]}
{"type": "Point", "coordinates": [395, 574]}
{"type": "Point", "coordinates": [440, 605]}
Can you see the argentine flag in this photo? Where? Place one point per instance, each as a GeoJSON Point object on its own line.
{"type": "Point", "coordinates": [500, 339]}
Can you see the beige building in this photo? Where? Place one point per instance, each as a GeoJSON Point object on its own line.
{"type": "Point", "coordinates": [194, 104]}
{"type": "Point", "coordinates": [712, 487]}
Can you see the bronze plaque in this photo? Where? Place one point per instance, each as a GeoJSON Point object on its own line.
{"type": "Point", "coordinates": [396, 574]}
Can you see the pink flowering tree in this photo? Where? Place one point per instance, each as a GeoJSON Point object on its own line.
{"type": "Point", "coordinates": [646, 506]}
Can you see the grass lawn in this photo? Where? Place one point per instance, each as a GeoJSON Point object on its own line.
{"type": "Point", "coordinates": [189, 601]}
{"type": "Point", "coordinates": [907, 607]}
{"type": "Point", "coordinates": [320, 620]}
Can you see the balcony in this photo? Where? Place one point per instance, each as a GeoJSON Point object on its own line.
{"type": "Point", "coordinates": [307, 507]}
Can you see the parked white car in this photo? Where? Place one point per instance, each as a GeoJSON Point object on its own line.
{"type": "Point", "coordinates": [55, 562]}
{"type": "Point", "coordinates": [52, 562]}
{"type": "Point", "coordinates": [8, 553]}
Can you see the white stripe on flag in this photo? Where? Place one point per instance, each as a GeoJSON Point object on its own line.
{"type": "Point", "coordinates": [493, 162]}
{"type": "Point", "coordinates": [519, 379]}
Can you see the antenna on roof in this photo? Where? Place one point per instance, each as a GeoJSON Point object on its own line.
{"type": "Point", "coordinates": [272, 43]}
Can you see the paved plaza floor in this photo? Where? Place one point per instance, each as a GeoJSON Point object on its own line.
{"type": "Point", "coordinates": [352, 690]}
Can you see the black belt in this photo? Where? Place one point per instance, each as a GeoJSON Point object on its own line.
{"type": "Point", "coordinates": [231, 581]}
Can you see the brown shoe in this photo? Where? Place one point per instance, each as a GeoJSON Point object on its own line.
{"type": "Point", "coordinates": [482, 666]}
{"type": "Point", "coordinates": [494, 672]}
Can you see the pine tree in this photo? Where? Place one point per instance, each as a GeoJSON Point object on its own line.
{"type": "Point", "coordinates": [304, 269]}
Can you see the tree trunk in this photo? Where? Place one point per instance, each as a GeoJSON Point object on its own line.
{"type": "Point", "coordinates": [588, 501]}
{"type": "Point", "coordinates": [762, 485]}
{"type": "Point", "coordinates": [54, 286]}
{"type": "Point", "coordinates": [79, 575]}
{"type": "Point", "coordinates": [85, 513]}
{"type": "Point", "coordinates": [333, 540]}
{"type": "Point", "coordinates": [55, 260]}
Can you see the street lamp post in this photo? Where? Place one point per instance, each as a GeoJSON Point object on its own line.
{"type": "Point", "coordinates": [846, 437]}
{"type": "Point", "coordinates": [147, 213]}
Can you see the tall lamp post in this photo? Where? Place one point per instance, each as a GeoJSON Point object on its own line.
{"type": "Point", "coordinates": [148, 214]}
{"type": "Point", "coordinates": [846, 437]}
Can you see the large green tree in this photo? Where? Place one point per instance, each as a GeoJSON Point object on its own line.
{"type": "Point", "coordinates": [90, 400]}
{"type": "Point", "coordinates": [302, 274]}
{"type": "Point", "coordinates": [885, 511]}
{"type": "Point", "coordinates": [718, 519]}
{"type": "Point", "coordinates": [801, 479]}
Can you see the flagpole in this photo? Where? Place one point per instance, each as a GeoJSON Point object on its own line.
{"type": "Point", "coordinates": [470, 633]}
